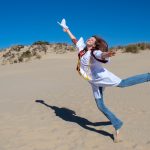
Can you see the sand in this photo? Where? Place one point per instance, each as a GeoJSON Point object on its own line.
{"type": "Point", "coordinates": [46, 105]}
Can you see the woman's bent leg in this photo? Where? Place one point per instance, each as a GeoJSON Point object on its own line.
{"type": "Point", "coordinates": [114, 120]}
{"type": "Point", "coordinates": [135, 80]}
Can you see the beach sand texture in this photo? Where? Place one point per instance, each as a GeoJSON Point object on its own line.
{"type": "Point", "coordinates": [46, 105]}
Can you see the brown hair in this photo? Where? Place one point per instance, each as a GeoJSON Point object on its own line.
{"type": "Point", "coordinates": [100, 44]}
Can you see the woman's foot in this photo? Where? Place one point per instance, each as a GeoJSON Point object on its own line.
{"type": "Point", "coordinates": [116, 137]}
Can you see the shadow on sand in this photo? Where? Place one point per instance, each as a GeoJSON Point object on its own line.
{"type": "Point", "coordinates": [70, 116]}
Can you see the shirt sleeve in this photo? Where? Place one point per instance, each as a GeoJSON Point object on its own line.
{"type": "Point", "coordinates": [98, 55]}
{"type": "Point", "coordinates": [80, 45]}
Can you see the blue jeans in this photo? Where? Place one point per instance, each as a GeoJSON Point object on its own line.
{"type": "Point", "coordinates": [117, 123]}
{"type": "Point", "coordinates": [135, 80]}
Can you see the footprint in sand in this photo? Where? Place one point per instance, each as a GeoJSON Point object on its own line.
{"type": "Point", "coordinates": [140, 147]}
{"type": "Point", "coordinates": [148, 142]}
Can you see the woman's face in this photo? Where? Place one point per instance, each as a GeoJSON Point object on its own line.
{"type": "Point", "coordinates": [91, 42]}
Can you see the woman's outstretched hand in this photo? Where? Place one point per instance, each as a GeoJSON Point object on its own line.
{"type": "Point", "coordinates": [66, 29]}
{"type": "Point", "coordinates": [108, 54]}
{"type": "Point", "coordinates": [63, 25]}
{"type": "Point", "coordinates": [111, 53]}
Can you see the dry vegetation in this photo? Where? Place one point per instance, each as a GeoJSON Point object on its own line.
{"type": "Point", "coordinates": [133, 48]}
{"type": "Point", "coordinates": [21, 53]}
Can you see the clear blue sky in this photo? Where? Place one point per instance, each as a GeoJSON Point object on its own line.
{"type": "Point", "coordinates": [118, 22]}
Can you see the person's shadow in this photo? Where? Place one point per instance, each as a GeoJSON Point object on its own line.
{"type": "Point", "coordinates": [70, 115]}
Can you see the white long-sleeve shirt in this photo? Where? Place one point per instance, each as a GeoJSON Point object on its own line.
{"type": "Point", "coordinates": [98, 75]}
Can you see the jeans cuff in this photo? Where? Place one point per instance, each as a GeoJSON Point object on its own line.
{"type": "Point", "coordinates": [118, 126]}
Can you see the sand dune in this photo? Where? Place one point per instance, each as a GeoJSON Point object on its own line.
{"type": "Point", "coordinates": [46, 105]}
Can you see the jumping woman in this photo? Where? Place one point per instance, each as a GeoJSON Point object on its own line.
{"type": "Point", "coordinates": [91, 56]}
